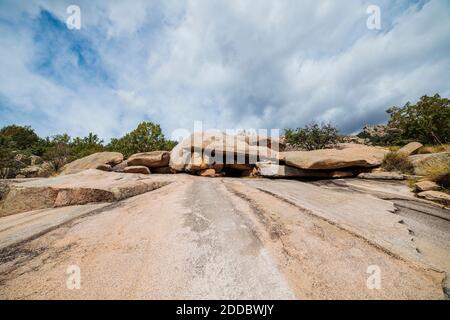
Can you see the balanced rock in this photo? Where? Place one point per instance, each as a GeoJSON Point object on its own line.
{"type": "Point", "coordinates": [92, 162]}
{"type": "Point", "coordinates": [330, 159]}
{"type": "Point", "coordinates": [137, 169]}
{"type": "Point", "coordinates": [154, 159]}
{"type": "Point", "coordinates": [410, 148]}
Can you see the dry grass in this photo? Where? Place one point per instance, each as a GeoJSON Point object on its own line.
{"type": "Point", "coordinates": [397, 162]}
{"type": "Point", "coordinates": [438, 171]}
{"type": "Point", "coordinates": [434, 148]}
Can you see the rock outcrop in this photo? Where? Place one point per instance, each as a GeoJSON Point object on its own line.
{"type": "Point", "coordinates": [89, 186]}
{"type": "Point", "coordinates": [92, 161]}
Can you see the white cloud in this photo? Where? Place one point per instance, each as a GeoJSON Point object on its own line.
{"type": "Point", "coordinates": [232, 64]}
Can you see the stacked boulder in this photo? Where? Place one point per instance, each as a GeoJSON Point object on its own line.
{"type": "Point", "coordinates": [218, 153]}
{"type": "Point", "coordinates": [146, 163]}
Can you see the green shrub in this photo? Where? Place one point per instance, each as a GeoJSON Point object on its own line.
{"type": "Point", "coordinates": [397, 161]}
{"type": "Point", "coordinates": [427, 121]}
{"type": "Point", "coordinates": [146, 137]}
{"type": "Point", "coordinates": [312, 136]}
{"type": "Point", "coordinates": [18, 138]}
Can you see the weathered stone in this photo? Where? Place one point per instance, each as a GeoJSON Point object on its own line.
{"type": "Point", "coordinates": [436, 196]}
{"type": "Point", "coordinates": [382, 175]}
{"type": "Point", "coordinates": [92, 162]}
{"type": "Point", "coordinates": [152, 159]}
{"type": "Point", "coordinates": [410, 148]}
{"type": "Point", "coordinates": [137, 169]}
{"type": "Point", "coordinates": [88, 186]}
{"type": "Point", "coordinates": [427, 186]}
{"type": "Point", "coordinates": [421, 161]}
{"type": "Point", "coordinates": [354, 156]}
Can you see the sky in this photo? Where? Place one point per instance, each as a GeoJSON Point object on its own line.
{"type": "Point", "coordinates": [233, 64]}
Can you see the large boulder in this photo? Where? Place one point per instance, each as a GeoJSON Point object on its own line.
{"type": "Point", "coordinates": [92, 162]}
{"type": "Point", "coordinates": [421, 161]}
{"type": "Point", "coordinates": [331, 159]}
{"type": "Point", "coordinates": [154, 159]}
{"type": "Point", "coordinates": [410, 148]}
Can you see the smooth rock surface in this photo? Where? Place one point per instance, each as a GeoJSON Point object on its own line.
{"type": "Point", "coordinates": [201, 238]}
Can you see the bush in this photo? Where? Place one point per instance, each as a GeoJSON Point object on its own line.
{"type": "Point", "coordinates": [427, 121]}
{"type": "Point", "coordinates": [9, 166]}
{"type": "Point", "coordinates": [312, 136]}
{"type": "Point", "coordinates": [438, 171]}
{"type": "Point", "coordinates": [397, 161]}
{"type": "Point", "coordinates": [17, 137]}
{"type": "Point", "coordinates": [146, 137]}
